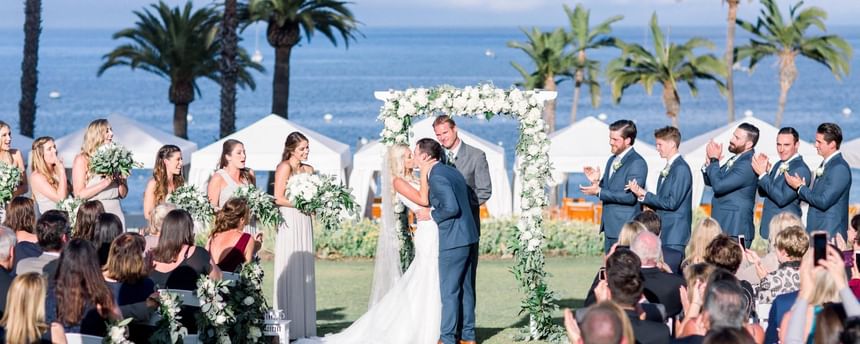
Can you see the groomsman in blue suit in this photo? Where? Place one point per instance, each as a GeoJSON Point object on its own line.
{"type": "Point", "coordinates": [673, 200]}
{"type": "Point", "coordinates": [828, 193]}
{"type": "Point", "coordinates": [734, 183]}
{"type": "Point", "coordinates": [625, 165]}
{"type": "Point", "coordinates": [778, 196]}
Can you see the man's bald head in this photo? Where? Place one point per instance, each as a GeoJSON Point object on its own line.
{"type": "Point", "coordinates": [602, 325]}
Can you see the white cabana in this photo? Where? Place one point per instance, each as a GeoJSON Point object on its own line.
{"type": "Point", "coordinates": [586, 143]}
{"type": "Point", "coordinates": [264, 145]}
{"type": "Point", "coordinates": [850, 151]}
{"type": "Point", "coordinates": [369, 160]}
{"type": "Point", "coordinates": [693, 149]}
{"type": "Point", "coordinates": [141, 139]}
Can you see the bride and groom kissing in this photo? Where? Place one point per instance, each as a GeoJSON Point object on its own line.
{"type": "Point", "coordinates": [434, 300]}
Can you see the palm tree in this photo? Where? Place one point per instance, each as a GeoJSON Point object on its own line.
{"type": "Point", "coordinates": [668, 65]}
{"type": "Point", "coordinates": [29, 71]}
{"type": "Point", "coordinates": [546, 51]}
{"type": "Point", "coordinates": [773, 36]}
{"type": "Point", "coordinates": [229, 68]}
{"type": "Point", "coordinates": [287, 21]}
{"type": "Point", "coordinates": [582, 38]}
{"type": "Point", "coordinates": [180, 45]}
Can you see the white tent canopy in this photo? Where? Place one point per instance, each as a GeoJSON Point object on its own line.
{"type": "Point", "coordinates": [850, 151]}
{"type": "Point", "coordinates": [264, 145]}
{"type": "Point", "coordinates": [693, 149]}
{"type": "Point", "coordinates": [586, 143]}
{"type": "Point", "coordinates": [142, 140]}
{"type": "Point", "coordinates": [369, 160]}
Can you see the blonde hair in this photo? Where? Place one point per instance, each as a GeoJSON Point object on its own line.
{"type": "Point", "coordinates": [697, 272]}
{"type": "Point", "coordinates": [38, 164]}
{"type": "Point", "coordinates": [94, 137]}
{"type": "Point", "coordinates": [777, 224]}
{"type": "Point", "coordinates": [24, 318]}
{"type": "Point", "coordinates": [705, 232]}
{"type": "Point", "coordinates": [793, 240]}
{"type": "Point", "coordinates": [156, 218]}
{"type": "Point", "coordinates": [396, 164]}
{"type": "Point", "coordinates": [629, 231]}
{"type": "Point", "coordinates": [825, 288]}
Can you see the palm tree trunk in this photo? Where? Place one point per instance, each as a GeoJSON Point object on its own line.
{"type": "Point", "coordinates": [577, 87]}
{"type": "Point", "coordinates": [730, 56]}
{"type": "Point", "coordinates": [180, 120]}
{"type": "Point", "coordinates": [180, 94]}
{"type": "Point", "coordinates": [787, 75]}
{"type": "Point", "coordinates": [549, 111]}
{"type": "Point", "coordinates": [672, 102]}
{"type": "Point", "coordinates": [229, 68]}
{"type": "Point", "coordinates": [281, 81]}
{"type": "Point", "coordinates": [29, 71]}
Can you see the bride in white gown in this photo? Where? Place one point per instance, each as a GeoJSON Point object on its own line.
{"type": "Point", "coordinates": [411, 311]}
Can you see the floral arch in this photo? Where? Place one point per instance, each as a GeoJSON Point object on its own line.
{"type": "Point", "coordinates": [532, 163]}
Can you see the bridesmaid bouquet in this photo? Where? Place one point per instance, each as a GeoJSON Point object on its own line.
{"type": "Point", "coordinates": [112, 159]}
{"type": "Point", "coordinates": [10, 177]}
{"type": "Point", "coordinates": [323, 196]}
{"type": "Point", "coordinates": [70, 206]}
{"type": "Point", "coordinates": [193, 201]}
{"type": "Point", "coordinates": [262, 205]}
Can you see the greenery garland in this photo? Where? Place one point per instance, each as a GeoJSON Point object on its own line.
{"type": "Point", "coordinates": [216, 315]}
{"type": "Point", "coordinates": [169, 330]}
{"type": "Point", "coordinates": [247, 295]}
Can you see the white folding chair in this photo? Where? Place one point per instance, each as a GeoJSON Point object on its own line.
{"type": "Point", "coordinates": [77, 338]}
{"type": "Point", "coordinates": [763, 311]}
{"type": "Point", "coordinates": [190, 339]}
{"type": "Point", "coordinates": [230, 276]}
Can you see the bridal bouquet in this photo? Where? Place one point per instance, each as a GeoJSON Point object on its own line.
{"type": "Point", "coordinates": [70, 206]}
{"type": "Point", "coordinates": [262, 205]}
{"type": "Point", "coordinates": [10, 177]}
{"type": "Point", "coordinates": [323, 196]}
{"type": "Point", "coordinates": [111, 159]}
{"type": "Point", "coordinates": [193, 201]}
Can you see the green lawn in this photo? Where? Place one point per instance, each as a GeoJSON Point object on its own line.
{"type": "Point", "coordinates": [343, 289]}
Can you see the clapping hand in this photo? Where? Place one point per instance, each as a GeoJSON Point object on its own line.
{"type": "Point", "coordinates": [574, 335]}
{"type": "Point", "coordinates": [794, 181]}
{"type": "Point", "coordinates": [634, 187]}
{"type": "Point", "coordinates": [592, 173]}
{"type": "Point", "coordinates": [714, 150]}
{"type": "Point", "coordinates": [591, 190]}
{"type": "Point", "coordinates": [760, 164]}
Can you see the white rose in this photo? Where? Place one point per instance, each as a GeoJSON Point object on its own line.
{"type": "Point", "coordinates": [533, 150]}
{"type": "Point", "coordinates": [527, 235]}
{"type": "Point", "coordinates": [459, 104]}
{"type": "Point", "coordinates": [394, 124]}
{"type": "Point", "coordinates": [531, 170]}
{"type": "Point", "coordinates": [248, 301]}
{"type": "Point", "coordinates": [533, 114]}
{"type": "Point", "coordinates": [400, 138]}
{"type": "Point", "coordinates": [117, 334]}
{"type": "Point", "coordinates": [220, 319]}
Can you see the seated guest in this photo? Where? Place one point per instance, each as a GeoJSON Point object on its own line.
{"type": "Point", "coordinates": [791, 244]}
{"type": "Point", "coordinates": [696, 277]}
{"type": "Point", "coordinates": [86, 220]}
{"type": "Point", "coordinates": [770, 262]}
{"type": "Point", "coordinates": [670, 256]}
{"type": "Point", "coordinates": [780, 306]}
{"type": "Point", "coordinates": [21, 218]}
{"type": "Point", "coordinates": [79, 298]}
{"type": "Point", "coordinates": [660, 286]}
{"type": "Point", "coordinates": [126, 274]}
{"type": "Point", "coordinates": [51, 232]}
{"type": "Point", "coordinates": [108, 227]}
{"type": "Point", "coordinates": [624, 285]}
{"type": "Point", "coordinates": [178, 262]}
{"type": "Point", "coordinates": [24, 321]}
{"type": "Point", "coordinates": [629, 231]}
{"type": "Point", "coordinates": [7, 256]}
{"type": "Point", "coordinates": [726, 253]}
{"type": "Point", "coordinates": [156, 219]}
{"type": "Point", "coordinates": [229, 244]}
{"type": "Point", "coordinates": [604, 322]}
{"type": "Point", "coordinates": [728, 335]}
{"type": "Point", "coordinates": [724, 306]}
{"type": "Point", "coordinates": [702, 235]}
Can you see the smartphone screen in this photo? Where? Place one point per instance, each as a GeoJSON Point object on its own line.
{"type": "Point", "coordinates": [742, 241]}
{"type": "Point", "coordinates": [819, 245]}
{"type": "Point", "coordinates": [601, 274]}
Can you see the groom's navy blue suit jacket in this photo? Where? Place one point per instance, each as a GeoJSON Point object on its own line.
{"type": "Point", "coordinates": [449, 197]}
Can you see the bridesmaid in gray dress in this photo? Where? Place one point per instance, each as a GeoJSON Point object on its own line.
{"type": "Point", "coordinates": [109, 190]}
{"type": "Point", "coordinates": [48, 181]}
{"type": "Point", "coordinates": [295, 286]}
{"type": "Point", "coordinates": [11, 156]}
{"type": "Point", "coordinates": [231, 174]}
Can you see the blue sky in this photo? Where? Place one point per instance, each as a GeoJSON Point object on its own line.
{"type": "Point", "coordinates": [443, 13]}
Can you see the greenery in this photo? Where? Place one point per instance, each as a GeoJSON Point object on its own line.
{"type": "Point", "coordinates": [774, 36]}
{"type": "Point", "coordinates": [180, 45]}
{"type": "Point", "coordinates": [668, 64]}
{"type": "Point", "coordinates": [546, 51]}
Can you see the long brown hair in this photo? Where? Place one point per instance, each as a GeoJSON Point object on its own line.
{"type": "Point", "coordinates": [227, 149]}
{"type": "Point", "coordinates": [21, 215]}
{"type": "Point", "coordinates": [231, 216]}
{"type": "Point", "coordinates": [125, 261]}
{"type": "Point", "coordinates": [86, 220]}
{"type": "Point", "coordinates": [80, 283]}
{"type": "Point", "coordinates": [24, 318]}
{"type": "Point", "coordinates": [38, 164]}
{"type": "Point", "coordinates": [176, 230]}
{"type": "Point", "coordinates": [291, 143]}
{"type": "Point", "coordinates": [159, 172]}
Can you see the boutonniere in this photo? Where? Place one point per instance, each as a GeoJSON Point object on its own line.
{"type": "Point", "coordinates": [730, 163]}
{"type": "Point", "coordinates": [819, 171]}
{"type": "Point", "coordinates": [616, 165]}
{"type": "Point", "coordinates": [665, 172]}
{"type": "Point", "coordinates": [782, 169]}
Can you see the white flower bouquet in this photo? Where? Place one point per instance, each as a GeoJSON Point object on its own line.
{"type": "Point", "coordinates": [262, 205]}
{"type": "Point", "coordinates": [70, 205]}
{"type": "Point", "coordinates": [248, 296]}
{"type": "Point", "coordinates": [10, 178]}
{"type": "Point", "coordinates": [113, 159]}
{"type": "Point", "coordinates": [216, 315]}
{"type": "Point", "coordinates": [169, 329]}
{"type": "Point", "coordinates": [193, 201]}
{"type": "Point", "coordinates": [117, 332]}
{"type": "Point", "coordinates": [322, 195]}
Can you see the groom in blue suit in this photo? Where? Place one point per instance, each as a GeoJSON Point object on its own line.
{"type": "Point", "coordinates": [458, 241]}
{"type": "Point", "coordinates": [828, 193]}
{"type": "Point", "coordinates": [778, 196]}
{"type": "Point", "coordinates": [734, 184]}
{"type": "Point", "coordinates": [625, 165]}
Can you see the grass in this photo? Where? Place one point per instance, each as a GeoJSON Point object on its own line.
{"type": "Point", "coordinates": [343, 290]}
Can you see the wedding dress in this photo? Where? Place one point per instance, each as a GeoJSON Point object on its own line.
{"type": "Point", "coordinates": [411, 312]}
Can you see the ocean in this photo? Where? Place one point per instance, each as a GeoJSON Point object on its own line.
{"type": "Point", "coordinates": [338, 81]}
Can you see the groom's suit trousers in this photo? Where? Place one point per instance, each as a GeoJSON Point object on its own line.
{"type": "Point", "coordinates": [458, 292]}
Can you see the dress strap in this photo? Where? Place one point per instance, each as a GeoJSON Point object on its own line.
{"type": "Point", "coordinates": [242, 244]}
{"type": "Point", "coordinates": [226, 176]}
